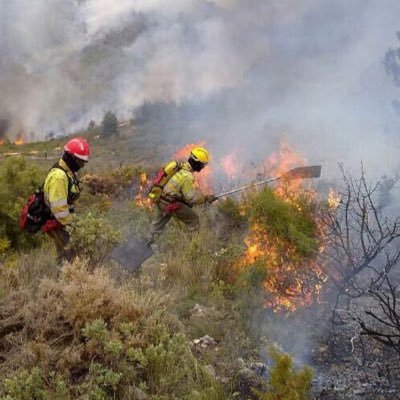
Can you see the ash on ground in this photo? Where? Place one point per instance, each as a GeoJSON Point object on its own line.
{"type": "Point", "coordinates": [349, 365]}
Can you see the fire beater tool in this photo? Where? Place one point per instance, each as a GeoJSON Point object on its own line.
{"type": "Point", "coordinates": [131, 254]}
{"type": "Point", "coordinates": [313, 171]}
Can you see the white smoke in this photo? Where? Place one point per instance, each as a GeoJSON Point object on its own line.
{"type": "Point", "coordinates": [310, 70]}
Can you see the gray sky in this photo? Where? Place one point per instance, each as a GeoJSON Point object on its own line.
{"type": "Point", "coordinates": [309, 71]}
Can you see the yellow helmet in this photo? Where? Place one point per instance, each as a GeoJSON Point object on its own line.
{"type": "Point", "coordinates": [200, 154]}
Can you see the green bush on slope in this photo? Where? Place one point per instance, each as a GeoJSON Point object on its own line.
{"type": "Point", "coordinates": [89, 338]}
{"type": "Point", "coordinates": [92, 237]}
{"type": "Point", "coordinates": [290, 222]}
{"type": "Point", "coordinates": [285, 383]}
{"type": "Point", "coordinates": [30, 385]}
{"type": "Point", "coordinates": [18, 181]}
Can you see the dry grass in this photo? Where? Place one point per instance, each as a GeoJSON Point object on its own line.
{"type": "Point", "coordinates": [61, 308]}
{"type": "Point", "coordinates": [25, 270]}
{"type": "Point", "coordinates": [94, 337]}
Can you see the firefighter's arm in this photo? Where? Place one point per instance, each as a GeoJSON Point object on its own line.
{"type": "Point", "coordinates": [191, 194]}
{"type": "Point", "coordinates": [57, 196]}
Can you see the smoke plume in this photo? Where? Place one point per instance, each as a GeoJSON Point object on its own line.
{"type": "Point", "coordinates": [244, 73]}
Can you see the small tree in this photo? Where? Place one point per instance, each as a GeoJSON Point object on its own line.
{"type": "Point", "coordinates": [382, 320]}
{"type": "Point", "coordinates": [360, 239]}
{"type": "Point", "coordinates": [91, 125]}
{"type": "Point", "coordinates": [109, 125]}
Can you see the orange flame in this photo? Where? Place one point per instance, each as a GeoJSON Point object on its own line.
{"type": "Point", "coordinates": [333, 199]}
{"type": "Point", "coordinates": [143, 178]}
{"type": "Point", "coordinates": [203, 180]}
{"type": "Point", "coordinates": [141, 199]}
{"type": "Point", "coordinates": [19, 141]}
{"type": "Point", "coordinates": [229, 165]}
{"type": "Point", "coordinates": [291, 281]}
{"type": "Point", "coordinates": [1, 142]}
{"type": "Point", "coordinates": [184, 152]}
{"type": "Point", "coordinates": [279, 163]}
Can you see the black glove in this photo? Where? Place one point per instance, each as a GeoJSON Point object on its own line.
{"type": "Point", "coordinates": [210, 198]}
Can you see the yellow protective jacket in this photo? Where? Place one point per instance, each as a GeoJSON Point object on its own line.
{"type": "Point", "coordinates": [181, 186]}
{"type": "Point", "coordinates": [61, 189]}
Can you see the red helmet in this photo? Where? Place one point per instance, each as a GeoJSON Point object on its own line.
{"type": "Point", "coordinates": [79, 148]}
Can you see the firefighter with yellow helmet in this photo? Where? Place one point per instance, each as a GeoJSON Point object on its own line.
{"type": "Point", "coordinates": [174, 192]}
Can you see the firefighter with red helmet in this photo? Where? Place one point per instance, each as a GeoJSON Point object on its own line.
{"type": "Point", "coordinates": [61, 189]}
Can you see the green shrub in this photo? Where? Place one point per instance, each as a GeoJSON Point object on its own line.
{"type": "Point", "coordinates": [31, 385]}
{"type": "Point", "coordinates": [22, 270]}
{"type": "Point", "coordinates": [291, 222]}
{"type": "Point", "coordinates": [285, 383]}
{"type": "Point", "coordinates": [252, 278]}
{"type": "Point", "coordinates": [104, 377]}
{"type": "Point", "coordinates": [96, 331]}
{"type": "Point", "coordinates": [191, 258]}
{"type": "Point", "coordinates": [18, 181]}
{"type": "Point", "coordinates": [92, 237]}
{"type": "Point", "coordinates": [27, 385]}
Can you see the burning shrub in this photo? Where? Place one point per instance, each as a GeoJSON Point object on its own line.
{"type": "Point", "coordinates": [124, 175]}
{"type": "Point", "coordinates": [287, 223]}
{"type": "Point", "coordinates": [233, 212]}
{"type": "Point", "coordinates": [284, 240]}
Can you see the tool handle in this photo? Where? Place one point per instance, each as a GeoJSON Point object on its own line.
{"type": "Point", "coordinates": [241, 189]}
{"type": "Point", "coordinates": [313, 171]}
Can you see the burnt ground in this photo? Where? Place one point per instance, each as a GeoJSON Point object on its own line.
{"type": "Point", "coordinates": [350, 366]}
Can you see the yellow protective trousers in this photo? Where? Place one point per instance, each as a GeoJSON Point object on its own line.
{"type": "Point", "coordinates": [61, 240]}
{"type": "Point", "coordinates": [183, 214]}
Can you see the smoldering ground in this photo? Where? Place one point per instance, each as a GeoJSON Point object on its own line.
{"type": "Point", "coordinates": [244, 73]}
